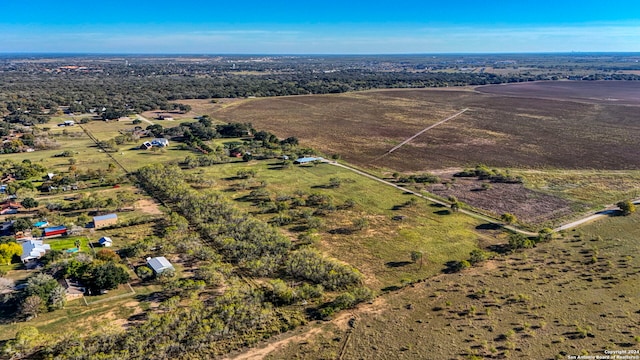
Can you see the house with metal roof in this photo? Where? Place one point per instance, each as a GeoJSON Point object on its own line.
{"type": "Point", "coordinates": [306, 160]}
{"type": "Point", "coordinates": [33, 249]}
{"type": "Point", "coordinates": [159, 264]}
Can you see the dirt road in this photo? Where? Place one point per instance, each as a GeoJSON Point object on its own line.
{"type": "Point", "coordinates": [422, 131]}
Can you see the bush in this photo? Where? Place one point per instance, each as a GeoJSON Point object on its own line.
{"type": "Point", "coordinates": [144, 272]}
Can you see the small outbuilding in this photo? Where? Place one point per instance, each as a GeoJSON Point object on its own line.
{"type": "Point", "coordinates": [105, 241]}
{"type": "Point", "coordinates": [159, 264]}
{"type": "Point", "coordinates": [41, 224]}
{"type": "Point", "coordinates": [306, 160]}
{"type": "Point", "coordinates": [104, 220]}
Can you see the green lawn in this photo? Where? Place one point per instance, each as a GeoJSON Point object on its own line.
{"type": "Point", "coordinates": [65, 243]}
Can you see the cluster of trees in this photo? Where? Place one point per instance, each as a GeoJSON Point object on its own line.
{"type": "Point", "coordinates": [227, 247]}
{"type": "Point", "coordinates": [484, 173]}
{"type": "Point", "coordinates": [419, 178]}
{"type": "Point", "coordinates": [42, 293]}
{"type": "Point", "coordinates": [23, 170]}
{"type": "Point", "coordinates": [242, 240]}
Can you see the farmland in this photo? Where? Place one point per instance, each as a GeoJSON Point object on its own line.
{"type": "Point", "coordinates": [499, 131]}
{"type": "Point", "coordinates": [530, 135]}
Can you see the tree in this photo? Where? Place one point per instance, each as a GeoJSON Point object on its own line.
{"type": "Point", "coordinates": [29, 203]}
{"type": "Point", "coordinates": [545, 234]}
{"type": "Point", "coordinates": [26, 340]}
{"type": "Point", "coordinates": [57, 298]}
{"type": "Point", "coordinates": [417, 256]}
{"type": "Point", "coordinates": [508, 218]}
{"type": "Point", "coordinates": [107, 276]}
{"type": "Point", "coordinates": [31, 306]}
{"type": "Point", "coordinates": [477, 256]}
{"type": "Point", "coordinates": [107, 255]}
{"type": "Point", "coordinates": [156, 130]}
{"type": "Point", "coordinates": [144, 272]}
{"type": "Point", "coordinates": [22, 224]}
{"type": "Point", "coordinates": [519, 241]}
{"type": "Point", "coordinates": [627, 207]}
{"type": "Point", "coordinates": [8, 251]}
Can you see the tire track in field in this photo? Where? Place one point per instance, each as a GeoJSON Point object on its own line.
{"type": "Point", "coordinates": [420, 133]}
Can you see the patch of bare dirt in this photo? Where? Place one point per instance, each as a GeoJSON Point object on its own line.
{"type": "Point", "coordinates": [260, 353]}
{"type": "Point", "coordinates": [148, 206]}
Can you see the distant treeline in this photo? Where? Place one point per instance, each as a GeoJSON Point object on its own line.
{"type": "Point", "coordinates": [32, 96]}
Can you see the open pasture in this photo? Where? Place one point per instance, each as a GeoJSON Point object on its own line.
{"type": "Point", "coordinates": [381, 250]}
{"type": "Point", "coordinates": [574, 296]}
{"type": "Point", "coordinates": [499, 131]}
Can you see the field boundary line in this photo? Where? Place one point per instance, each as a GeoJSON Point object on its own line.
{"type": "Point", "coordinates": [421, 132]}
{"type": "Point", "coordinates": [95, 140]}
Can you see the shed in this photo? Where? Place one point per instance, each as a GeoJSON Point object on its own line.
{"type": "Point", "coordinates": [105, 241]}
{"type": "Point", "coordinates": [306, 160]}
{"type": "Point", "coordinates": [41, 224]}
{"type": "Point", "coordinates": [33, 249]}
{"type": "Point", "coordinates": [55, 231]}
{"type": "Point", "coordinates": [159, 264]}
{"type": "Point", "coordinates": [104, 220]}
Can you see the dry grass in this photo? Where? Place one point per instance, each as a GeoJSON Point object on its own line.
{"type": "Point", "coordinates": [562, 298]}
{"type": "Point", "coordinates": [498, 130]}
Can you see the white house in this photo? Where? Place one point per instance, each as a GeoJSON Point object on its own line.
{"type": "Point", "coordinates": [160, 142]}
{"type": "Point", "coordinates": [159, 264]}
{"type": "Point", "coordinates": [33, 249]}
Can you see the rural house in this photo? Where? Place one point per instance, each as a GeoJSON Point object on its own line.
{"type": "Point", "coordinates": [33, 249]}
{"type": "Point", "coordinates": [159, 264]}
{"type": "Point", "coordinates": [104, 220]}
{"type": "Point", "coordinates": [160, 142]}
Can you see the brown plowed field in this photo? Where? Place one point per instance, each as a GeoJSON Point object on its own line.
{"type": "Point", "coordinates": [498, 130]}
{"type": "Point", "coordinates": [602, 92]}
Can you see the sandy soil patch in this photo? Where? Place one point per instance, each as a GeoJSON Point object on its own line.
{"type": "Point", "coordinates": [148, 206]}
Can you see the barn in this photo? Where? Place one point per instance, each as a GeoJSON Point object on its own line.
{"type": "Point", "coordinates": [104, 220]}
{"type": "Point", "coordinates": [55, 231]}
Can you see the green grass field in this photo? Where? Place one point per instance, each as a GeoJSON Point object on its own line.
{"type": "Point", "coordinates": [382, 250]}
{"type": "Point", "coordinates": [66, 243]}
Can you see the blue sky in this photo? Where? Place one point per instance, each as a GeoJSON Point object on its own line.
{"type": "Point", "coordinates": [313, 27]}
